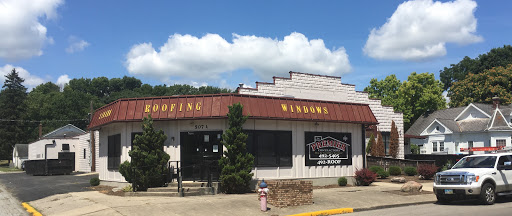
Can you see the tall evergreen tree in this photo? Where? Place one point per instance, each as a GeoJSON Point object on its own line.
{"type": "Point", "coordinates": [148, 158]}
{"type": "Point", "coordinates": [237, 163]}
{"type": "Point", "coordinates": [12, 107]}
{"type": "Point", "coordinates": [371, 145]}
{"type": "Point", "coordinates": [380, 150]}
{"type": "Point", "coordinates": [393, 141]}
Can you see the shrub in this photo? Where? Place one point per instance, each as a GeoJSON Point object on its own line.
{"type": "Point", "coordinates": [427, 170]}
{"type": "Point", "coordinates": [148, 158]}
{"type": "Point", "coordinates": [410, 171]}
{"type": "Point", "coordinates": [365, 177]}
{"type": "Point", "coordinates": [94, 181]}
{"type": "Point", "coordinates": [376, 169]}
{"type": "Point", "coordinates": [394, 170]}
{"type": "Point", "coordinates": [128, 188]}
{"type": "Point", "coordinates": [342, 181]}
{"type": "Point", "coordinates": [237, 163]}
{"type": "Point", "coordinates": [383, 174]}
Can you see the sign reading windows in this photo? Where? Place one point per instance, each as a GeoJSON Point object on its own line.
{"type": "Point", "coordinates": [327, 149]}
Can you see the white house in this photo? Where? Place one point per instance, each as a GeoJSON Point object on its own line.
{"type": "Point", "coordinates": [330, 88]}
{"type": "Point", "coordinates": [19, 154]}
{"type": "Point", "coordinates": [68, 138]}
{"type": "Point", "coordinates": [471, 127]}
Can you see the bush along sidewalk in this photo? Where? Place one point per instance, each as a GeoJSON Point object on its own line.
{"type": "Point", "coordinates": [365, 177]}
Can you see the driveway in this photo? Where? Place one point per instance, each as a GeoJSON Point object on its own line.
{"type": "Point", "coordinates": [28, 188]}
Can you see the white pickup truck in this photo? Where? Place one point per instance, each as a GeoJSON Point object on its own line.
{"type": "Point", "coordinates": [483, 176]}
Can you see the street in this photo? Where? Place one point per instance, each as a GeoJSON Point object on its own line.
{"type": "Point", "coordinates": [28, 188]}
{"type": "Point", "coordinates": [502, 207]}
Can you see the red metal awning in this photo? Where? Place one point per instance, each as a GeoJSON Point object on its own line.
{"type": "Point", "coordinates": [216, 106]}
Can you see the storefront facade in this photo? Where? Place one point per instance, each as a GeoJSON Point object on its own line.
{"type": "Point", "coordinates": [290, 138]}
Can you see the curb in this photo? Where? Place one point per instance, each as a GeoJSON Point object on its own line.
{"type": "Point", "coordinates": [30, 209]}
{"type": "Point", "coordinates": [327, 212]}
{"type": "Point", "coordinates": [392, 206]}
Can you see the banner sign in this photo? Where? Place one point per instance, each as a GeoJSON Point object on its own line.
{"type": "Point", "coordinates": [328, 149]}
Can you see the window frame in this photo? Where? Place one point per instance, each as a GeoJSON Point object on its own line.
{"type": "Point", "coordinates": [434, 147]}
{"type": "Point", "coordinates": [441, 146]}
{"type": "Point", "coordinates": [252, 147]}
{"type": "Point", "coordinates": [65, 144]}
{"type": "Point", "coordinates": [501, 140]}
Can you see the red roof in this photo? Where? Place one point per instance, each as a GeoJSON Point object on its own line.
{"type": "Point", "coordinates": [216, 106]}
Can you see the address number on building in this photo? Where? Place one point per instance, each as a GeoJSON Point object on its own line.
{"type": "Point", "coordinates": [201, 126]}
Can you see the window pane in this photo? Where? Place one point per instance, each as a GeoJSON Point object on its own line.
{"type": "Point", "coordinates": [284, 148]}
{"type": "Point", "coordinates": [441, 146]}
{"type": "Point", "coordinates": [266, 149]}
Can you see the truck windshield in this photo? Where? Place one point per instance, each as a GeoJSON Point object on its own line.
{"type": "Point", "coordinates": [476, 162]}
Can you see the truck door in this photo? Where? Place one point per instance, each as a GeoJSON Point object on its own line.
{"type": "Point", "coordinates": [505, 175]}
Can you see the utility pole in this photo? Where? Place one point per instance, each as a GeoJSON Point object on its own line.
{"type": "Point", "coordinates": [93, 142]}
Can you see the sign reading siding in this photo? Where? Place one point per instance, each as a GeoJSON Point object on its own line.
{"type": "Point", "coordinates": [328, 149]}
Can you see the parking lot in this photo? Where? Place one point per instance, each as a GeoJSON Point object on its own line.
{"type": "Point", "coordinates": [28, 188]}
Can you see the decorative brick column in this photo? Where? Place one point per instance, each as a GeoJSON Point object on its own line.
{"type": "Point", "coordinates": [283, 193]}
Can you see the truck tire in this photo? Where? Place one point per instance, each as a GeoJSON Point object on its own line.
{"type": "Point", "coordinates": [442, 200]}
{"type": "Point", "coordinates": [487, 194]}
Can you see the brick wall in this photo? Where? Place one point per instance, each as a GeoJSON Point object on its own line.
{"type": "Point", "coordinates": [283, 193]}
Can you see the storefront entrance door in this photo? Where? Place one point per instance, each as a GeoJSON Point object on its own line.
{"type": "Point", "coordinates": [200, 152]}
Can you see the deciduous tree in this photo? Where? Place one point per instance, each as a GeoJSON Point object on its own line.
{"type": "Point", "coordinates": [385, 90]}
{"type": "Point", "coordinates": [482, 87]}
{"type": "Point", "coordinates": [501, 56]}
{"type": "Point", "coordinates": [419, 94]}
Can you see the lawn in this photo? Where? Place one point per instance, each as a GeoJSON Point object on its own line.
{"type": "Point", "coordinates": [4, 167]}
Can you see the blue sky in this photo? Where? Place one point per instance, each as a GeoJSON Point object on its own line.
{"type": "Point", "coordinates": [223, 43]}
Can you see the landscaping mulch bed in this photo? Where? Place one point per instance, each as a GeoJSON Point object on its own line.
{"type": "Point", "coordinates": [331, 186]}
{"type": "Point", "coordinates": [398, 192]}
{"type": "Point", "coordinates": [106, 190]}
{"type": "Point", "coordinates": [415, 178]}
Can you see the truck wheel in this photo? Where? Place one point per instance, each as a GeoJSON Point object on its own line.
{"type": "Point", "coordinates": [442, 200]}
{"type": "Point", "coordinates": [488, 194]}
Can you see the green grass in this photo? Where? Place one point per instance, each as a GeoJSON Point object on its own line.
{"type": "Point", "coordinates": [7, 169]}
{"type": "Point", "coordinates": [4, 167]}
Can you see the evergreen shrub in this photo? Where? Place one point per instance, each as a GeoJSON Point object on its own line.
{"type": "Point", "coordinates": [342, 181]}
{"type": "Point", "coordinates": [395, 170]}
{"type": "Point", "coordinates": [410, 171]}
{"type": "Point", "coordinates": [94, 181]}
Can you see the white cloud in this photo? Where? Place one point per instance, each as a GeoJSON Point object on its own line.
{"type": "Point", "coordinates": [22, 35]}
{"type": "Point", "coordinates": [62, 81]}
{"type": "Point", "coordinates": [31, 80]}
{"type": "Point", "coordinates": [211, 55]}
{"type": "Point", "coordinates": [76, 45]}
{"type": "Point", "coordinates": [420, 29]}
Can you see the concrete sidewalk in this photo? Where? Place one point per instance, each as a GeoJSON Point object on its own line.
{"type": "Point", "coordinates": [94, 203]}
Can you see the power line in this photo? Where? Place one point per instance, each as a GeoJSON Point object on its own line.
{"type": "Point", "coordinates": [42, 121]}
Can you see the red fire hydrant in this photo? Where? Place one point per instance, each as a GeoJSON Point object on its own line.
{"type": "Point", "coordinates": [263, 191]}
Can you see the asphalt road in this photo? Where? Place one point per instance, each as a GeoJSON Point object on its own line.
{"type": "Point", "coordinates": [28, 188]}
{"type": "Point", "coordinates": [502, 207]}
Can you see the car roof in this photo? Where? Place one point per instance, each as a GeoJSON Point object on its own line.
{"type": "Point", "coordinates": [491, 154]}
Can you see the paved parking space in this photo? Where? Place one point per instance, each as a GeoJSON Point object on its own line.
{"type": "Point", "coordinates": [28, 188]}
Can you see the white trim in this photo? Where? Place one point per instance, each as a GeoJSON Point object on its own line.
{"type": "Point", "coordinates": [471, 104]}
{"type": "Point", "coordinates": [492, 120]}
{"type": "Point", "coordinates": [424, 132]}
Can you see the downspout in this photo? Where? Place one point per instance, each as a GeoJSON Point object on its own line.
{"type": "Point", "coordinates": [363, 139]}
{"type": "Point", "coordinates": [46, 157]}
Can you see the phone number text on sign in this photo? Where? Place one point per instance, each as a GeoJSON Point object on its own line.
{"type": "Point", "coordinates": [329, 156]}
{"type": "Point", "coordinates": [324, 162]}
